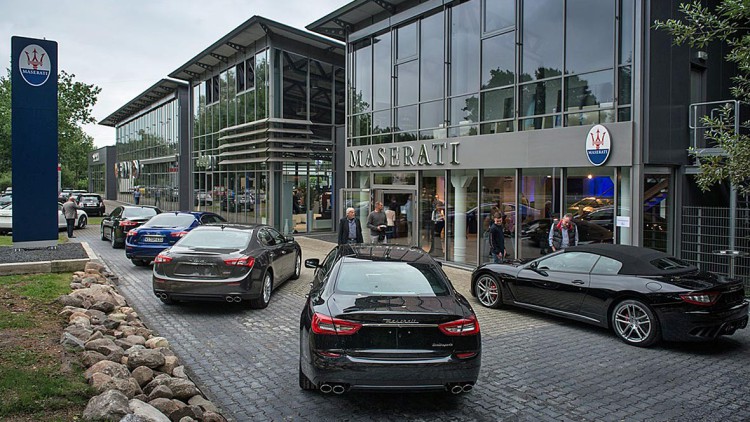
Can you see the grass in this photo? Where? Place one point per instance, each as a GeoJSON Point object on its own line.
{"type": "Point", "coordinates": [7, 239]}
{"type": "Point", "coordinates": [34, 383]}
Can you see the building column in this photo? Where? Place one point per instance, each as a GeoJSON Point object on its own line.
{"type": "Point", "coordinates": [460, 183]}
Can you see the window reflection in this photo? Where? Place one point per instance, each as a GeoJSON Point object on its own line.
{"type": "Point", "coordinates": [589, 35]}
{"type": "Point", "coordinates": [465, 48]}
{"type": "Point", "coordinates": [498, 61]}
{"type": "Point", "coordinates": [542, 39]}
{"type": "Point", "coordinates": [499, 14]}
{"type": "Point", "coordinates": [431, 57]}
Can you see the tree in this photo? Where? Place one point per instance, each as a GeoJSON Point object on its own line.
{"type": "Point", "coordinates": [75, 103]}
{"type": "Point", "coordinates": [701, 25]}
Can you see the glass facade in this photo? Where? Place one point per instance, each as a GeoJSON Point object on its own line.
{"type": "Point", "coordinates": [97, 182]}
{"type": "Point", "coordinates": [479, 67]}
{"type": "Point", "coordinates": [147, 156]}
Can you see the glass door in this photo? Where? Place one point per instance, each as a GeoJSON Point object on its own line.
{"type": "Point", "coordinates": [401, 212]}
{"type": "Point", "coordinates": [360, 200]}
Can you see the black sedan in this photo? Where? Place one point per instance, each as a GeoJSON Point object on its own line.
{"type": "Point", "coordinates": [228, 263]}
{"type": "Point", "coordinates": [643, 295]}
{"type": "Point", "coordinates": [121, 220]}
{"type": "Point", "coordinates": [386, 318]}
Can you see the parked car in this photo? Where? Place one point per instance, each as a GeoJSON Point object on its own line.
{"type": "Point", "coordinates": [6, 218]}
{"type": "Point", "coordinates": [203, 198]}
{"type": "Point", "coordinates": [228, 263]}
{"type": "Point", "coordinates": [82, 219]}
{"type": "Point", "coordinates": [143, 243]}
{"type": "Point", "coordinates": [537, 232]}
{"type": "Point", "coordinates": [6, 199]}
{"type": "Point", "coordinates": [382, 317]}
{"type": "Point", "coordinates": [588, 204]}
{"type": "Point", "coordinates": [92, 203]}
{"type": "Point", "coordinates": [66, 193]}
{"type": "Point", "coordinates": [115, 226]}
{"type": "Point", "coordinates": [239, 203]}
{"type": "Point", "coordinates": [643, 295]}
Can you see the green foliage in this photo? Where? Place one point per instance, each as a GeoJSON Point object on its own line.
{"type": "Point", "coordinates": [75, 103]}
{"type": "Point", "coordinates": [44, 287]}
{"type": "Point", "coordinates": [701, 25]}
{"type": "Point", "coordinates": [10, 320]}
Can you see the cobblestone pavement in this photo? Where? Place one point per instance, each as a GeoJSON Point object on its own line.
{"type": "Point", "coordinates": [534, 367]}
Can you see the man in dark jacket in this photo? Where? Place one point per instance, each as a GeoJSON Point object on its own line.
{"type": "Point", "coordinates": [70, 212]}
{"type": "Point", "coordinates": [350, 229]}
{"type": "Point", "coordinates": [563, 233]}
{"type": "Point", "coordinates": [497, 240]}
{"type": "Point", "coordinates": [376, 222]}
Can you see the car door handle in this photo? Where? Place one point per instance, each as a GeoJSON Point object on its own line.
{"type": "Point", "coordinates": [578, 282]}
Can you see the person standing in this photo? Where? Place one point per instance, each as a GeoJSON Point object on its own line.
{"type": "Point", "coordinates": [376, 222]}
{"type": "Point", "coordinates": [497, 240]}
{"type": "Point", "coordinates": [409, 217]}
{"type": "Point", "coordinates": [563, 233]}
{"type": "Point", "coordinates": [137, 196]}
{"type": "Point", "coordinates": [70, 212]}
{"type": "Point", "coordinates": [350, 229]}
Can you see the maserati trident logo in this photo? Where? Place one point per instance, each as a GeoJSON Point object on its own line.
{"type": "Point", "coordinates": [34, 65]}
{"type": "Point", "coordinates": [598, 145]}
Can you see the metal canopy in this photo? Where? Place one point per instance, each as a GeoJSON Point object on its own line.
{"type": "Point", "coordinates": [353, 15]}
{"type": "Point", "coordinates": [240, 40]}
{"type": "Point", "coordinates": [151, 95]}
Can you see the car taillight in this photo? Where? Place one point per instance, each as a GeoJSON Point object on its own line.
{"type": "Point", "coordinates": [132, 232]}
{"type": "Point", "coordinates": [178, 234]}
{"type": "Point", "coordinates": [701, 299]}
{"type": "Point", "coordinates": [323, 324]}
{"type": "Point", "coordinates": [466, 355]}
{"type": "Point", "coordinates": [162, 259]}
{"type": "Point", "coordinates": [461, 327]}
{"type": "Point", "coordinates": [127, 223]}
{"type": "Point", "coordinates": [243, 261]}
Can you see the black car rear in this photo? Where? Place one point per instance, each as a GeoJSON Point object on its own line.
{"type": "Point", "coordinates": [92, 203]}
{"type": "Point", "coordinates": [387, 318]}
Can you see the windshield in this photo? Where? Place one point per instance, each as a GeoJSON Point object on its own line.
{"type": "Point", "coordinates": [170, 220]}
{"type": "Point", "coordinates": [390, 278]}
{"type": "Point", "coordinates": [138, 212]}
{"type": "Point", "coordinates": [216, 239]}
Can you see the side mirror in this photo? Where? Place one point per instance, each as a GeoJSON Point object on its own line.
{"type": "Point", "coordinates": [288, 239]}
{"type": "Point", "coordinates": [312, 263]}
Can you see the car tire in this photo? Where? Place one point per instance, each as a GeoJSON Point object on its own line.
{"type": "Point", "coordinates": [167, 300]}
{"type": "Point", "coordinates": [113, 239]}
{"type": "Point", "coordinates": [304, 382]}
{"type": "Point", "coordinates": [82, 222]}
{"type": "Point", "coordinates": [265, 293]}
{"type": "Point", "coordinates": [635, 323]}
{"type": "Point", "coordinates": [102, 233]}
{"type": "Point", "coordinates": [488, 291]}
{"type": "Point", "coordinates": [139, 262]}
{"type": "Point", "coordinates": [297, 267]}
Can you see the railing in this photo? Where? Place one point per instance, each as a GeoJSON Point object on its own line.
{"type": "Point", "coordinates": [708, 244]}
{"type": "Point", "coordinates": [698, 129]}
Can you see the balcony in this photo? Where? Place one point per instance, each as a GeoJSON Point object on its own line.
{"type": "Point", "coordinates": [735, 112]}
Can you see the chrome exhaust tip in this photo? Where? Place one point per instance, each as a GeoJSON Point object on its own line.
{"type": "Point", "coordinates": [339, 389]}
{"type": "Point", "coordinates": [326, 388]}
{"type": "Point", "coordinates": [457, 389]}
{"type": "Point", "coordinates": [468, 387]}
{"type": "Point", "coordinates": [237, 299]}
{"type": "Point", "coordinates": [229, 299]}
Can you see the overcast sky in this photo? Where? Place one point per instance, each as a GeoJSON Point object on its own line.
{"type": "Point", "coordinates": [125, 47]}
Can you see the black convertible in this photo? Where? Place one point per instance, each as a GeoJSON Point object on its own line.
{"type": "Point", "coordinates": [642, 294]}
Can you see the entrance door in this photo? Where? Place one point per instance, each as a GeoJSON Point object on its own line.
{"type": "Point", "coordinates": [360, 200]}
{"type": "Point", "coordinates": [401, 212]}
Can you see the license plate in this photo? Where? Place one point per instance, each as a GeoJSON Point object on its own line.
{"type": "Point", "coordinates": [153, 239]}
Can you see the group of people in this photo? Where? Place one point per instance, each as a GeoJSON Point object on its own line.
{"type": "Point", "coordinates": [350, 229]}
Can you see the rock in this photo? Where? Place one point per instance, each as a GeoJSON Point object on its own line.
{"type": "Point", "coordinates": [165, 406]}
{"type": "Point", "coordinates": [71, 342]}
{"type": "Point", "coordinates": [194, 412]}
{"type": "Point", "coordinates": [111, 405]}
{"type": "Point", "coordinates": [147, 412]}
{"type": "Point", "coordinates": [155, 342]}
{"type": "Point", "coordinates": [135, 339]}
{"type": "Point", "coordinates": [123, 343]}
{"type": "Point", "coordinates": [134, 349]}
{"type": "Point", "coordinates": [160, 392]}
{"type": "Point", "coordinates": [79, 332]}
{"type": "Point", "coordinates": [103, 382]}
{"type": "Point", "coordinates": [68, 300]}
{"type": "Point", "coordinates": [99, 293]}
{"type": "Point", "coordinates": [145, 357]}
{"type": "Point", "coordinates": [111, 324]}
{"type": "Point", "coordinates": [187, 419]}
{"type": "Point", "coordinates": [94, 266]}
{"type": "Point", "coordinates": [170, 362]}
{"type": "Point", "coordinates": [96, 316]}
{"type": "Point", "coordinates": [96, 335]}
{"type": "Point", "coordinates": [182, 389]}
{"type": "Point", "coordinates": [165, 351]}
{"type": "Point", "coordinates": [143, 375]}
{"type": "Point", "coordinates": [117, 316]}
{"type": "Point", "coordinates": [80, 320]}
{"type": "Point", "coordinates": [67, 311]}
{"type": "Point", "coordinates": [179, 372]}
{"type": "Point", "coordinates": [213, 417]}
{"type": "Point", "coordinates": [106, 347]}
{"type": "Point", "coordinates": [90, 357]}
{"type": "Point", "coordinates": [76, 286]}
{"type": "Point", "coordinates": [89, 281]}
{"type": "Point", "coordinates": [142, 397]}
{"type": "Point", "coordinates": [112, 369]}
{"type": "Point", "coordinates": [103, 306]}
{"type": "Point", "coordinates": [132, 417]}
{"type": "Point", "coordinates": [203, 403]}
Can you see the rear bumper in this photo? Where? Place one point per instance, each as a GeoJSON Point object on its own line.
{"type": "Point", "coordinates": [703, 325]}
{"type": "Point", "coordinates": [372, 374]}
{"type": "Point", "coordinates": [206, 290]}
{"type": "Point", "coordinates": [142, 252]}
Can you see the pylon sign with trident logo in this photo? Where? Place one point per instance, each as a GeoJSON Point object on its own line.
{"type": "Point", "coordinates": [34, 141]}
{"type": "Point", "coordinates": [598, 145]}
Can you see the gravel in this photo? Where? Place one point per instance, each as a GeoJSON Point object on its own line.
{"type": "Point", "coordinates": [8, 254]}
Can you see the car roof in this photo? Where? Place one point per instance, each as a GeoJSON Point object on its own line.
{"type": "Point", "coordinates": [138, 206]}
{"type": "Point", "coordinates": [635, 260]}
{"type": "Point", "coordinates": [386, 253]}
{"type": "Point", "coordinates": [233, 226]}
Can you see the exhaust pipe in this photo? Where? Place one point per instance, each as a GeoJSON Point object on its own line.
{"type": "Point", "coordinates": [229, 299]}
{"type": "Point", "coordinates": [326, 388]}
{"type": "Point", "coordinates": [237, 299]}
{"type": "Point", "coordinates": [457, 389]}
{"type": "Point", "coordinates": [339, 389]}
{"type": "Point", "coordinates": [467, 388]}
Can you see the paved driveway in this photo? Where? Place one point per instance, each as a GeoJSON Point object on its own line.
{"type": "Point", "coordinates": [534, 367]}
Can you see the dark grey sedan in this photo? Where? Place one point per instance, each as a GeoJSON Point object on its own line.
{"type": "Point", "coordinates": [228, 263]}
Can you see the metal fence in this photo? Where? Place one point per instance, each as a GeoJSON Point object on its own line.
{"type": "Point", "coordinates": [706, 240]}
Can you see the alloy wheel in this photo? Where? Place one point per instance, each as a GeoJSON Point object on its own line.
{"type": "Point", "coordinates": [297, 267]}
{"type": "Point", "coordinates": [112, 238]}
{"type": "Point", "coordinates": [82, 222]}
{"type": "Point", "coordinates": [635, 323]}
{"type": "Point", "coordinates": [488, 291]}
